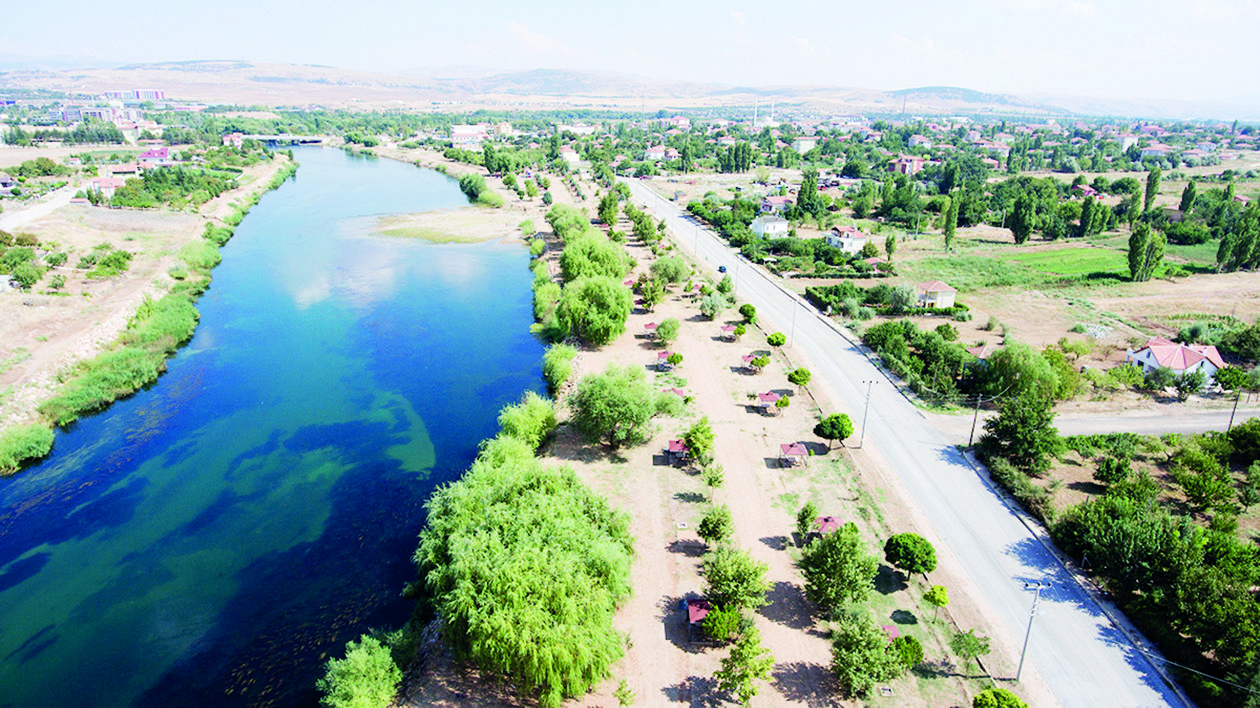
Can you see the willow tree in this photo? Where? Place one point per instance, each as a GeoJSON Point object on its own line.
{"type": "Point", "coordinates": [526, 566]}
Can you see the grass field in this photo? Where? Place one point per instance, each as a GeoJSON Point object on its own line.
{"type": "Point", "coordinates": [1080, 260]}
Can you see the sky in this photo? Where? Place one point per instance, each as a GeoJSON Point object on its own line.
{"type": "Point", "coordinates": [1163, 49]}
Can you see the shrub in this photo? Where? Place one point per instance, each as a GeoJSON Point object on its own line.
{"type": "Point", "coordinates": [838, 571]}
{"type": "Point", "coordinates": [21, 443]}
{"type": "Point", "coordinates": [734, 579]}
{"type": "Point", "coordinates": [101, 381]}
{"type": "Point", "coordinates": [722, 624]}
{"type": "Point", "coordinates": [558, 365]}
{"type": "Point", "coordinates": [910, 552]}
{"type": "Point", "coordinates": [862, 656]}
{"type": "Point", "coordinates": [530, 421]}
{"type": "Point", "coordinates": [997, 698]}
{"type": "Point", "coordinates": [717, 526]}
{"type": "Point", "coordinates": [366, 678]}
{"type": "Point", "coordinates": [909, 650]}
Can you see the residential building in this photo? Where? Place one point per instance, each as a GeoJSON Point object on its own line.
{"type": "Point", "coordinates": [935, 293]}
{"type": "Point", "coordinates": [907, 164]}
{"type": "Point", "coordinates": [1176, 357]}
{"type": "Point", "coordinates": [776, 204]}
{"type": "Point", "coordinates": [849, 239]}
{"type": "Point", "coordinates": [769, 226]}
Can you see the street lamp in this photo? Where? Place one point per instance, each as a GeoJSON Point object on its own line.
{"type": "Point", "coordinates": [865, 411]}
{"type": "Point", "coordinates": [1037, 587]}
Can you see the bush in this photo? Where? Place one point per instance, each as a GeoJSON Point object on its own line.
{"type": "Point", "coordinates": [909, 649]}
{"type": "Point", "coordinates": [594, 309]}
{"type": "Point", "coordinates": [530, 421]}
{"type": "Point", "coordinates": [911, 553]}
{"type": "Point", "coordinates": [613, 406]}
{"type": "Point", "coordinates": [717, 526]}
{"type": "Point", "coordinates": [558, 365]}
{"type": "Point", "coordinates": [21, 443]}
{"type": "Point", "coordinates": [670, 269]}
{"type": "Point", "coordinates": [366, 678]}
{"type": "Point", "coordinates": [997, 698]}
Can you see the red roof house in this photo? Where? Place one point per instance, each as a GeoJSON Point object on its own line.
{"type": "Point", "coordinates": [1176, 357]}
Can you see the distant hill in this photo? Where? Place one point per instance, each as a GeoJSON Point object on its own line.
{"type": "Point", "coordinates": [248, 83]}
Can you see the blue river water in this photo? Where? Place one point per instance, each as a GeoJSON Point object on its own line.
{"type": "Point", "coordinates": [212, 540]}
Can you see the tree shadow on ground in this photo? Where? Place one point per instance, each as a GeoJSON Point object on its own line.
{"type": "Point", "coordinates": [673, 617]}
{"type": "Point", "coordinates": [688, 547]}
{"type": "Point", "coordinates": [940, 668]}
{"type": "Point", "coordinates": [806, 683]}
{"type": "Point", "coordinates": [903, 617]}
{"type": "Point", "coordinates": [777, 543]}
{"type": "Point", "coordinates": [888, 580]}
{"type": "Point", "coordinates": [787, 605]}
{"type": "Point", "coordinates": [1093, 489]}
{"type": "Point", "coordinates": [695, 691]}
{"type": "Point", "coordinates": [690, 497]}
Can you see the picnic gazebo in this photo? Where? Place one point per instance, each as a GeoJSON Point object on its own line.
{"type": "Point", "coordinates": [650, 328]}
{"type": "Point", "coordinates": [728, 332]}
{"type": "Point", "coordinates": [697, 609]}
{"type": "Point", "coordinates": [676, 452]}
{"type": "Point", "coordinates": [662, 361]}
{"type": "Point", "coordinates": [790, 453]}
{"type": "Point", "coordinates": [767, 402]}
{"type": "Point", "coordinates": [748, 362]}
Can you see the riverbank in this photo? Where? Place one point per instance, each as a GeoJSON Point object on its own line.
{"type": "Point", "coordinates": [46, 336]}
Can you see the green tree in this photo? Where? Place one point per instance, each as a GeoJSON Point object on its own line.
{"type": "Point", "coordinates": [909, 649]}
{"type": "Point", "coordinates": [613, 406]}
{"type": "Point", "coordinates": [776, 339]}
{"type": "Point", "coordinates": [809, 201]}
{"type": "Point", "coordinates": [838, 571]}
{"type": "Point", "coordinates": [747, 663]}
{"type": "Point", "coordinates": [609, 205]}
{"type": "Point", "coordinates": [951, 223]}
{"type": "Point", "coordinates": [911, 553]}
{"type": "Point", "coordinates": [749, 312]}
{"type": "Point", "coordinates": [723, 623]}
{"type": "Point", "coordinates": [969, 646]}
{"type": "Point", "coordinates": [717, 526]}
{"type": "Point", "coordinates": [1087, 218]}
{"type": "Point", "coordinates": [699, 438]}
{"type": "Point", "coordinates": [1190, 383]}
{"type": "Point", "coordinates": [890, 245]}
{"type": "Point", "coordinates": [711, 305]}
{"type": "Point", "coordinates": [861, 656]}
{"type": "Point", "coordinates": [1146, 252]}
{"type": "Point", "coordinates": [937, 597]}
{"type": "Point", "coordinates": [725, 285]}
{"type": "Point", "coordinates": [670, 269]}
{"type": "Point", "coordinates": [1023, 218]}
{"type": "Point", "coordinates": [1152, 188]}
{"type": "Point", "coordinates": [1023, 433]}
{"type": "Point", "coordinates": [366, 678]}
{"type": "Point", "coordinates": [651, 293]}
{"type": "Point", "coordinates": [734, 579]}
{"type": "Point", "coordinates": [806, 518]}
{"type": "Point", "coordinates": [674, 359]}
{"type": "Point", "coordinates": [783, 403]}
{"type": "Point", "coordinates": [799, 377]}
{"type": "Point", "coordinates": [623, 694]}
{"type": "Point", "coordinates": [836, 426]}
{"type": "Point", "coordinates": [997, 698]}
{"type": "Point", "coordinates": [594, 309]}
{"type": "Point", "coordinates": [667, 330]}
{"type": "Point", "coordinates": [558, 365]}
{"type": "Point", "coordinates": [1016, 369]}
{"type": "Point", "coordinates": [1188, 195]}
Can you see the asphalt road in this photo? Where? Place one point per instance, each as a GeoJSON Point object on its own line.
{"type": "Point", "coordinates": [1077, 650]}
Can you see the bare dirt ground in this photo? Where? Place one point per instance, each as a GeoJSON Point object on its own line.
{"type": "Point", "coordinates": [666, 504]}
{"type": "Point", "coordinates": [43, 334]}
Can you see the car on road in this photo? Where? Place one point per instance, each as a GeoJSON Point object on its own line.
{"type": "Point", "coordinates": [721, 269]}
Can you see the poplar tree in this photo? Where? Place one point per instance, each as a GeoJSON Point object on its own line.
{"type": "Point", "coordinates": [1187, 199]}
{"type": "Point", "coordinates": [1146, 252]}
{"type": "Point", "coordinates": [1152, 187]}
{"type": "Point", "coordinates": [1087, 215]}
{"type": "Point", "coordinates": [951, 222]}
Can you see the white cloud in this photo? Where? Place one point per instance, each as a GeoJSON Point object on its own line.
{"type": "Point", "coordinates": [739, 18]}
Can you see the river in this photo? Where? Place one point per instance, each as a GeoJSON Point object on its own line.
{"type": "Point", "coordinates": [211, 540]}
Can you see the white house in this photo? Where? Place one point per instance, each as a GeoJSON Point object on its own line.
{"type": "Point", "coordinates": [569, 155]}
{"type": "Point", "coordinates": [769, 226]}
{"type": "Point", "coordinates": [1178, 358]}
{"type": "Point", "coordinates": [775, 204]}
{"type": "Point", "coordinates": [804, 144]}
{"type": "Point", "coordinates": [847, 238]}
{"type": "Point", "coordinates": [468, 136]}
{"type": "Point", "coordinates": [656, 152]}
{"type": "Point", "coordinates": [934, 293]}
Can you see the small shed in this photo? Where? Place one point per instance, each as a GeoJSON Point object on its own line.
{"type": "Point", "coordinates": [791, 453]}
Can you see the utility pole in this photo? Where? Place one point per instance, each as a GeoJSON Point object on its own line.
{"type": "Point", "coordinates": [1237, 395]}
{"type": "Point", "coordinates": [1037, 587]}
{"type": "Point", "coordinates": [865, 411]}
{"type": "Point", "coordinates": [971, 438]}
